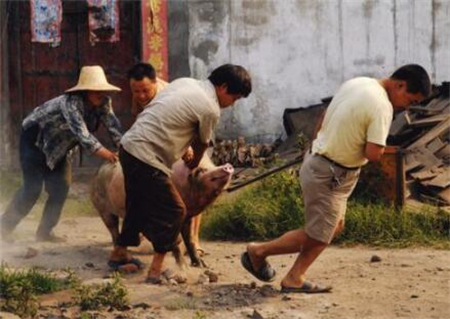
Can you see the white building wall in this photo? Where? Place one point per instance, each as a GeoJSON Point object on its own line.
{"type": "Point", "coordinates": [299, 51]}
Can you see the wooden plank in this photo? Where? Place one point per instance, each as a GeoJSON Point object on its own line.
{"type": "Point", "coordinates": [445, 194]}
{"type": "Point", "coordinates": [439, 104]}
{"type": "Point", "coordinates": [428, 121]}
{"type": "Point", "coordinates": [424, 174]}
{"type": "Point", "coordinates": [441, 180]}
{"type": "Point", "coordinates": [400, 123]}
{"type": "Point", "coordinates": [421, 109]}
{"type": "Point", "coordinates": [444, 152]}
{"type": "Point", "coordinates": [411, 162]}
{"type": "Point", "coordinates": [436, 131]}
{"type": "Point", "coordinates": [435, 145]}
{"type": "Point", "coordinates": [425, 157]}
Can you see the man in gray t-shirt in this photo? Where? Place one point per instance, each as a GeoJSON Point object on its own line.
{"type": "Point", "coordinates": [182, 115]}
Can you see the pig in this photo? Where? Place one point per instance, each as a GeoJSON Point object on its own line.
{"type": "Point", "coordinates": [198, 188]}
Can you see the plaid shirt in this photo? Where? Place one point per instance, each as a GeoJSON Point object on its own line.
{"type": "Point", "coordinates": [67, 121]}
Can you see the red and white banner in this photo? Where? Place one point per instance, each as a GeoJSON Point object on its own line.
{"type": "Point", "coordinates": [154, 35]}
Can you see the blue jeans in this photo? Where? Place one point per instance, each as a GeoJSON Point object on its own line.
{"type": "Point", "coordinates": [36, 173]}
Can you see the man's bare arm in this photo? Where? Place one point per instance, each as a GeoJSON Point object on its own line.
{"type": "Point", "coordinates": [373, 152]}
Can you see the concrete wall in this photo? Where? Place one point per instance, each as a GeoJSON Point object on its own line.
{"type": "Point", "coordinates": [299, 51]}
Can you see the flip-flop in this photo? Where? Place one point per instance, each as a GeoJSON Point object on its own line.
{"type": "Point", "coordinates": [306, 288]}
{"type": "Point", "coordinates": [265, 272]}
{"type": "Point", "coordinates": [115, 265]}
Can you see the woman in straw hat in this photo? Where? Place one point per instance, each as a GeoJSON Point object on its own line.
{"type": "Point", "coordinates": [48, 135]}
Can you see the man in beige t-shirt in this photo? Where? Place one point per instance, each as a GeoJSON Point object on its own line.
{"type": "Point", "coordinates": [353, 132]}
{"type": "Point", "coordinates": [182, 115]}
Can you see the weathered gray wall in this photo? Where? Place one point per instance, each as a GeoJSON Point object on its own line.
{"type": "Point", "coordinates": [299, 51]}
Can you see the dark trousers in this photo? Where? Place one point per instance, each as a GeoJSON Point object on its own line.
{"type": "Point", "coordinates": [153, 206]}
{"type": "Point", "coordinates": [36, 173]}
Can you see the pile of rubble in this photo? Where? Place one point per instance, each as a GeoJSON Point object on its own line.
{"type": "Point", "coordinates": [240, 154]}
{"type": "Point", "coordinates": [422, 134]}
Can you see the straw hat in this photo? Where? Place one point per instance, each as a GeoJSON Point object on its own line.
{"type": "Point", "coordinates": [92, 78]}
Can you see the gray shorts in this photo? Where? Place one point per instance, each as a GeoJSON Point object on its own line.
{"type": "Point", "coordinates": [326, 188]}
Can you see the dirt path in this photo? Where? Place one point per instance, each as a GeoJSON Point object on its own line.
{"type": "Point", "coordinates": [407, 283]}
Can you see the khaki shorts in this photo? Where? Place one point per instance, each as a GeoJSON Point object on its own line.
{"type": "Point", "coordinates": [326, 188]}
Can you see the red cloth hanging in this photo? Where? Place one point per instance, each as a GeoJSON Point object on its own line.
{"type": "Point", "coordinates": [103, 21]}
{"type": "Point", "coordinates": [46, 17]}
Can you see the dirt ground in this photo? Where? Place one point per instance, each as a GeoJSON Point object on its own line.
{"type": "Point", "coordinates": [406, 283]}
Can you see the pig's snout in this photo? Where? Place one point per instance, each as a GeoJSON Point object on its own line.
{"type": "Point", "coordinates": [228, 168]}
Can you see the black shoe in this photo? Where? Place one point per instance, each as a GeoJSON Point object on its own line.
{"type": "Point", "coordinates": [50, 238]}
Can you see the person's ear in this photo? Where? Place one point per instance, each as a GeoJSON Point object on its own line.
{"type": "Point", "coordinates": [400, 85]}
{"type": "Point", "coordinates": [224, 88]}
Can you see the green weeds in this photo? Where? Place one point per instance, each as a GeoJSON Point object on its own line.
{"type": "Point", "coordinates": [274, 206]}
{"type": "Point", "coordinates": [19, 288]}
{"type": "Point", "coordinates": [111, 294]}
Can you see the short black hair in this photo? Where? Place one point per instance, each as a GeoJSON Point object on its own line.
{"type": "Point", "coordinates": [142, 70]}
{"type": "Point", "coordinates": [235, 77]}
{"type": "Point", "coordinates": [416, 78]}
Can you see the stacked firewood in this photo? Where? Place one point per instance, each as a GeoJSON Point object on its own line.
{"type": "Point", "coordinates": [240, 154]}
{"type": "Point", "coordinates": [422, 133]}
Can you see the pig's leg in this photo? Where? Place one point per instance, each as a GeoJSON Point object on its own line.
{"type": "Point", "coordinates": [112, 223]}
{"type": "Point", "coordinates": [178, 255]}
{"type": "Point", "coordinates": [195, 231]}
{"type": "Point", "coordinates": [196, 261]}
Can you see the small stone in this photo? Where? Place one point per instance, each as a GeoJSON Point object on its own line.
{"type": "Point", "coordinates": [30, 253]}
{"type": "Point", "coordinates": [173, 282]}
{"type": "Point", "coordinates": [142, 305]}
{"type": "Point", "coordinates": [89, 265]}
{"type": "Point", "coordinates": [253, 285]}
{"type": "Point", "coordinates": [190, 294]}
{"type": "Point", "coordinates": [375, 259]}
{"type": "Point", "coordinates": [256, 315]}
{"type": "Point", "coordinates": [212, 277]}
{"type": "Point", "coordinates": [285, 298]}
{"type": "Point", "coordinates": [202, 279]}
{"type": "Point", "coordinates": [414, 296]}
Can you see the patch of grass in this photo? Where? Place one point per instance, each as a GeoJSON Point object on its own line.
{"type": "Point", "coordinates": [18, 289]}
{"type": "Point", "coordinates": [273, 206]}
{"type": "Point", "coordinates": [262, 211]}
{"type": "Point", "coordinates": [377, 224]}
{"type": "Point", "coordinates": [111, 294]}
{"type": "Point", "coordinates": [199, 315]}
{"type": "Point", "coordinates": [181, 303]}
